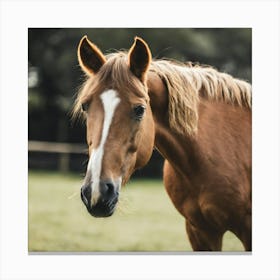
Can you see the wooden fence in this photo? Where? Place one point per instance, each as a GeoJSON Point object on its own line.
{"type": "Point", "coordinates": [63, 149]}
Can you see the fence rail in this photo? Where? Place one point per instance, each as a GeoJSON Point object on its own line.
{"type": "Point", "coordinates": [56, 147]}
{"type": "Point", "coordinates": [63, 149]}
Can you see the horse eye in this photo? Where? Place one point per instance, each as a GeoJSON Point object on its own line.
{"type": "Point", "coordinates": [85, 106]}
{"type": "Point", "coordinates": [138, 112]}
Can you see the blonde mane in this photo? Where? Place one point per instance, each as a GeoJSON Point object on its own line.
{"type": "Point", "coordinates": [185, 84]}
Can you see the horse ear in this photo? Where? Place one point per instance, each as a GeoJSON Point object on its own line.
{"type": "Point", "coordinates": [139, 58]}
{"type": "Point", "coordinates": [90, 57]}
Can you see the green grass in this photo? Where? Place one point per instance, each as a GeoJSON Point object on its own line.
{"type": "Point", "coordinates": [145, 220]}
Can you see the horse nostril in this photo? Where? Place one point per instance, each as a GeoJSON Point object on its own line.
{"type": "Point", "coordinates": [108, 188]}
{"type": "Point", "coordinates": [86, 195]}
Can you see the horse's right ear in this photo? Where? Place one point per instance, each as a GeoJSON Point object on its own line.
{"type": "Point", "coordinates": [90, 57]}
{"type": "Point", "coordinates": [139, 58]}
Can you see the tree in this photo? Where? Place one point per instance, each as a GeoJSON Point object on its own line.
{"type": "Point", "coordinates": [55, 76]}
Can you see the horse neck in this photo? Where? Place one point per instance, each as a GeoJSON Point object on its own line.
{"type": "Point", "coordinates": [179, 150]}
{"type": "Point", "coordinates": [193, 154]}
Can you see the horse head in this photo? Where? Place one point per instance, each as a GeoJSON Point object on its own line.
{"type": "Point", "coordinates": [119, 121]}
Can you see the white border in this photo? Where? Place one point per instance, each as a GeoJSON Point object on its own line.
{"type": "Point", "coordinates": [17, 16]}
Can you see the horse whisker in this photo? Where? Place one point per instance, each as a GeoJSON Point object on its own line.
{"type": "Point", "coordinates": [72, 195]}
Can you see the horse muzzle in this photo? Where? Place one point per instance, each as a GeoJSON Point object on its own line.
{"type": "Point", "coordinates": [105, 204]}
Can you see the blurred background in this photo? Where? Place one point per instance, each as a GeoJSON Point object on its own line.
{"type": "Point", "coordinates": [57, 156]}
{"type": "Point", "coordinates": [55, 76]}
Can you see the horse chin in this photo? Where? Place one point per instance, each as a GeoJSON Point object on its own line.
{"type": "Point", "coordinates": [100, 215]}
{"type": "Point", "coordinates": [103, 209]}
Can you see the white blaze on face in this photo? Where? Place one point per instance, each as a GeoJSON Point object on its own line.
{"type": "Point", "coordinates": [110, 101]}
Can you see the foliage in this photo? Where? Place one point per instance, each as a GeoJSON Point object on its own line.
{"type": "Point", "coordinates": [55, 76]}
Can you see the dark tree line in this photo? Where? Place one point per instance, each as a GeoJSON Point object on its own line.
{"type": "Point", "coordinates": [55, 76]}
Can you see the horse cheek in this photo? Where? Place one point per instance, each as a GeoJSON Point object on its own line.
{"type": "Point", "coordinates": [146, 144]}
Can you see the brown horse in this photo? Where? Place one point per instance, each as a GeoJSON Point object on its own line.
{"type": "Point", "coordinates": [198, 118]}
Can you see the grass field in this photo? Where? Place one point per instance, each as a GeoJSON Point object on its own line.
{"type": "Point", "coordinates": [145, 220]}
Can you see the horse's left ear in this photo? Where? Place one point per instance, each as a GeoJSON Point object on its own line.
{"type": "Point", "coordinates": [139, 58]}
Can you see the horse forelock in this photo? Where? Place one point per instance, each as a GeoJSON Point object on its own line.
{"type": "Point", "coordinates": [114, 74]}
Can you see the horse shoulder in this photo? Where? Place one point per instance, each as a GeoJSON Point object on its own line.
{"type": "Point", "coordinates": [182, 195]}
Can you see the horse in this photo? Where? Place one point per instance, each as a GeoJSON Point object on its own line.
{"type": "Point", "coordinates": [198, 118]}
